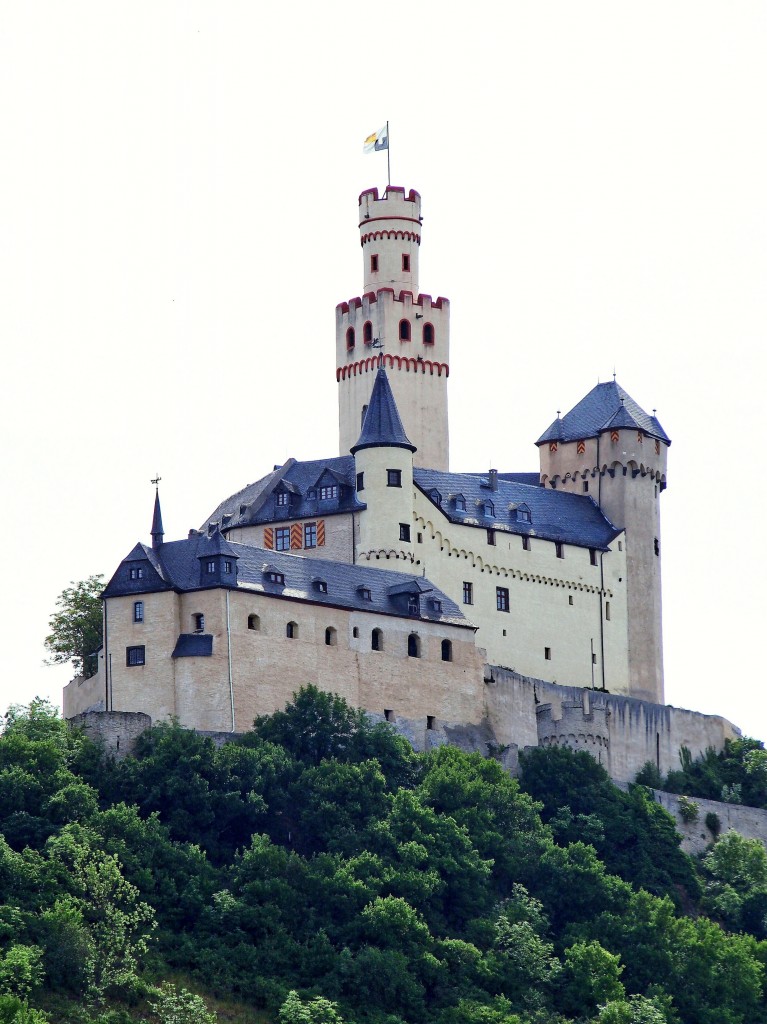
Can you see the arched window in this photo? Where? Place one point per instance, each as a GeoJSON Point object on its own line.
{"type": "Point", "coordinates": [254, 622]}
{"type": "Point", "coordinates": [428, 334]}
{"type": "Point", "coordinates": [331, 637]}
{"type": "Point", "coordinates": [413, 646]}
{"type": "Point", "coordinates": [367, 332]}
{"type": "Point", "coordinates": [291, 631]}
{"type": "Point", "coordinates": [404, 330]}
{"type": "Point", "coordinates": [199, 622]}
{"type": "Point", "coordinates": [447, 650]}
{"type": "Point", "coordinates": [350, 338]}
{"type": "Point", "coordinates": [376, 640]}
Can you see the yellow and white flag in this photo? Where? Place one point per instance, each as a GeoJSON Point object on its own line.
{"type": "Point", "coordinates": [377, 141]}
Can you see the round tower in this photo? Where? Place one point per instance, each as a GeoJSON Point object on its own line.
{"type": "Point", "coordinates": [394, 320]}
{"type": "Point", "coordinates": [609, 449]}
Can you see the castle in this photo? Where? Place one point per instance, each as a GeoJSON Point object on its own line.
{"type": "Point", "coordinates": [493, 609]}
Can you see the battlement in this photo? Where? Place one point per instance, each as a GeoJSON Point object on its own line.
{"type": "Point", "coordinates": [393, 205]}
{"type": "Point", "coordinates": [422, 300]}
{"type": "Point", "coordinates": [396, 192]}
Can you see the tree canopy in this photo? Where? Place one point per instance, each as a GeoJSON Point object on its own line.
{"type": "Point", "coordinates": [76, 630]}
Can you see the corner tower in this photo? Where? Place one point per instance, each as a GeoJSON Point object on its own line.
{"type": "Point", "coordinates": [609, 449]}
{"type": "Point", "coordinates": [394, 320]}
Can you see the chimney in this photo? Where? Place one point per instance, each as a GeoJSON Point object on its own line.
{"type": "Point", "coordinates": [493, 479]}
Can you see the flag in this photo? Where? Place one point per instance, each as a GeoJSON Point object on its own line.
{"type": "Point", "coordinates": [377, 141]}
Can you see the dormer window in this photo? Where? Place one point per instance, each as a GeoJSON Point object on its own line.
{"type": "Point", "coordinates": [321, 586]}
{"type": "Point", "coordinates": [329, 492]}
{"type": "Point", "coordinates": [436, 604]}
{"type": "Point", "coordinates": [435, 496]}
{"type": "Point", "coordinates": [413, 604]}
{"type": "Point", "coordinates": [136, 573]}
{"type": "Point", "coordinates": [210, 566]}
{"type": "Point", "coordinates": [460, 503]}
{"type": "Point", "coordinates": [276, 577]}
{"type": "Point", "coordinates": [523, 515]}
{"type": "Point", "coordinates": [311, 494]}
{"type": "Point", "coordinates": [283, 498]}
{"type": "Point", "coordinates": [488, 509]}
{"type": "Point", "coordinates": [365, 593]}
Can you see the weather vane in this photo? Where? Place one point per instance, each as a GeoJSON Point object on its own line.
{"type": "Point", "coordinates": [156, 480]}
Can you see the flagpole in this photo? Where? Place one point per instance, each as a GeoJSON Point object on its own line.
{"type": "Point", "coordinates": [388, 154]}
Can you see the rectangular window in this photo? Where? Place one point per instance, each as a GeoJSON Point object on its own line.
{"type": "Point", "coordinates": [502, 599]}
{"type": "Point", "coordinates": [137, 573]}
{"type": "Point", "coordinates": [282, 538]}
{"type": "Point", "coordinates": [593, 658]}
{"type": "Point", "coordinates": [560, 548]}
{"type": "Point", "coordinates": [310, 535]}
{"type": "Point", "coordinates": [282, 498]}
{"type": "Point", "coordinates": [468, 593]}
{"type": "Point", "coordinates": [593, 556]}
{"type": "Point", "coordinates": [277, 577]}
{"type": "Point", "coordinates": [374, 264]}
{"type": "Point", "coordinates": [607, 610]}
{"type": "Point", "coordinates": [211, 566]}
{"type": "Point", "coordinates": [405, 262]}
{"type": "Point", "coordinates": [138, 611]}
{"type": "Point", "coordinates": [360, 481]}
{"type": "Point", "coordinates": [585, 487]}
{"type": "Point", "coordinates": [134, 656]}
{"type": "Point", "coordinates": [413, 605]}
{"type": "Point", "coordinates": [547, 653]}
{"type": "Point", "coordinates": [227, 566]}
{"type": "Point", "coordinates": [404, 531]}
{"type": "Point", "coordinates": [491, 537]}
{"type": "Point", "coordinates": [393, 477]}
{"type": "Point", "coordinates": [570, 599]}
{"type": "Point", "coordinates": [326, 493]}
{"type": "Point", "coordinates": [525, 543]}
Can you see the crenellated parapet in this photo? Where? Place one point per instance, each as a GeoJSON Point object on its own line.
{"type": "Point", "coordinates": [577, 724]}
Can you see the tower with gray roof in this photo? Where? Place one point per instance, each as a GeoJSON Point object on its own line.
{"type": "Point", "coordinates": [609, 448]}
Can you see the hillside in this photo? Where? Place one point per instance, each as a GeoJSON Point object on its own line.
{"type": "Point", "coordinates": [318, 870]}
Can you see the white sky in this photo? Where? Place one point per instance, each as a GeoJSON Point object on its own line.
{"type": "Point", "coordinates": [178, 203]}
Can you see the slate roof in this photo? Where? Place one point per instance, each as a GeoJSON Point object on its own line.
{"type": "Point", "coordinates": [346, 583]}
{"type": "Point", "coordinates": [605, 407]}
{"type": "Point", "coordinates": [382, 426]}
{"type": "Point", "coordinates": [554, 515]}
{"type": "Point", "coordinates": [255, 503]}
{"type": "Point", "coordinates": [193, 645]}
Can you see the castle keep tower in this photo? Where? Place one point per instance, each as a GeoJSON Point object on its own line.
{"type": "Point", "coordinates": [393, 319]}
{"type": "Point", "coordinates": [609, 448]}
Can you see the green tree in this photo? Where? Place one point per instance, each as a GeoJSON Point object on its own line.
{"type": "Point", "coordinates": [21, 970]}
{"type": "Point", "coordinates": [314, 1011]}
{"type": "Point", "coordinates": [591, 978]}
{"type": "Point", "coordinates": [76, 630]}
{"type": "Point", "coordinates": [179, 1006]}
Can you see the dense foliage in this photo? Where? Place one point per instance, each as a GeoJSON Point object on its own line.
{"type": "Point", "coordinates": [76, 629]}
{"type": "Point", "coordinates": [320, 872]}
{"type": "Point", "coordinates": [737, 774]}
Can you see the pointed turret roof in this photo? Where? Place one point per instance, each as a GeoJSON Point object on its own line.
{"type": "Point", "coordinates": [605, 407]}
{"type": "Point", "coordinates": [157, 529]}
{"type": "Point", "coordinates": [382, 427]}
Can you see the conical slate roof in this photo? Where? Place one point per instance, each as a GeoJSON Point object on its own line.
{"type": "Point", "coordinates": [382, 427]}
{"type": "Point", "coordinates": [157, 529]}
{"type": "Point", "coordinates": [605, 407]}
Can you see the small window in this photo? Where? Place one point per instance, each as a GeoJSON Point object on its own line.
{"type": "Point", "coordinates": [138, 611]}
{"type": "Point", "coordinates": [468, 593]}
{"type": "Point", "coordinates": [413, 646]}
{"type": "Point", "coordinates": [282, 538]}
{"type": "Point", "coordinates": [447, 650]}
{"type": "Point", "coordinates": [311, 494]}
{"type": "Point", "coordinates": [374, 264]}
{"type": "Point", "coordinates": [428, 334]}
{"type": "Point", "coordinates": [365, 593]}
{"type": "Point", "coordinates": [291, 631]}
{"type": "Point", "coordinates": [322, 586]}
{"type": "Point", "coordinates": [137, 573]}
{"type": "Point", "coordinates": [388, 714]}
{"type": "Point", "coordinates": [488, 509]}
{"type": "Point", "coordinates": [419, 538]}
{"type": "Point", "coordinates": [360, 481]}
{"type": "Point", "coordinates": [310, 535]}
{"type": "Point", "coordinates": [502, 599]}
{"type": "Point", "coordinates": [367, 332]}
{"type": "Point", "coordinates": [560, 549]}
{"type": "Point", "coordinates": [593, 556]}
{"type": "Point", "coordinates": [376, 640]}
{"type": "Point", "coordinates": [135, 656]}
{"type": "Point", "coordinates": [331, 637]}
{"type": "Point", "coordinates": [491, 537]}
{"type": "Point", "coordinates": [283, 498]}
{"type": "Point", "coordinates": [404, 330]}
{"type": "Point", "coordinates": [406, 262]}
{"type": "Point", "coordinates": [547, 653]}
{"type": "Point", "coordinates": [523, 515]}
{"type": "Point", "coordinates": [430, 722]}
{"type": "Point", "coordinates": [436, 604]}
{"type": "Point", "coordinates": [607, 610]}
{"type": "Point", "coordinates": [254, 622]}
{"type": "Point", "coordinates": [355, 632]}
{"type": "Point", "coordinates": [211, 566]}
{"type": "Point", "coordinates": [393, 477]}
{"type": "Point", "coordinates": [413, 605]}
{"type": "Point", "coordinates": [460, 503]}
{"type": "Point", "coordinates": [327, 493]}
{"type": "Point", "coordinates": [525, 543]}
{"type": "Point", "coordinates": [199, 622]}
{"type": "Point", "coordinates": [585, 486]}
{"type": "Point", "coordinates": [570, 599]}
{"type": "Point", "coordinates": [350, 338]}
{"type": "Point", "coordinates": [404, 531]}
{"type": "Point", "coordinates": [656, 546]}
{"type": "Point", "coordinates": [593, 658]}
{"type": "Point", "coordinates": [277, 577]}
{"type": "Point", "coordinates": [227, 566]}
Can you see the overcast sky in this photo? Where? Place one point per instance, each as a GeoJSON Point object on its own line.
{"type": "Point", "coordinates": [178, 220]}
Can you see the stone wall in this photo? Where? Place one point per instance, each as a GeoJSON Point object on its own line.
{"type": "Point", "coordinates": [117, 730]}
{"type": "Point", "coordinates": [750, 822]}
